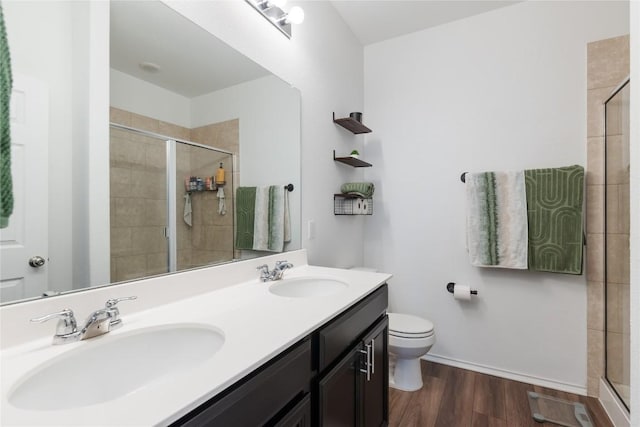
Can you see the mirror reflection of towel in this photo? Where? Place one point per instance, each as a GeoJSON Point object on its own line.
{"type": "Point", "coordinates": [187, 209]}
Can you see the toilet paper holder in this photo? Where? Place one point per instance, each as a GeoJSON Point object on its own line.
{"type": "Point", "coordinates": [451, 285]}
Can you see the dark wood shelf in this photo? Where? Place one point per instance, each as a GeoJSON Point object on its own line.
{"type": "Point", "coordinates": [351, 125]}
{"type": "Point", "coordinates": [351, 161]}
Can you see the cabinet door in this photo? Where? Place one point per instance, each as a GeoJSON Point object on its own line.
{"type": "Point", "coordinates": [375, 384]}
{"type": "Point", "coordinates": [337, 393]}
{"type": "Point", "coordinates": [299, 416]}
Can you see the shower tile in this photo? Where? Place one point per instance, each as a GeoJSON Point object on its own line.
{"type": "Point", "coordinates": [148, 239]}
{"type": "Point", "coordinates": [119, 116]}
{"type": "Point", "coordinates": [595, 110]}
{"type": "Point", "coordinates": [157, 263]}
{"type": "Point", "coordinates": [129, 212]}
{"type": "Point", "coordinates": [595, 304]}
{"type": "Point", "coordinates": [618, 258]}
{"type": "Point", "coordinates": [618, 208]}
{"type": "Point", "coordinates": [174, 131]}
{"type": "Point", "coordinates": [145, 123]}
{"type": "Point", "coordinates": [595, 257]}
{"type": "Point", "coordinates": [121, 243]}
{"type": "Point", "coordinates": [155, 212]}
{"type": "Point", "coordinates": [595, 161]}
{"type": "Point", "coordinates": [120, 182]}
{"type": "Point", "coordinates": [608, 62]}
{"type": "Point", "coordinates": [124, 152]}
{"type": "Point", "coordinates": [595, 209]}
{"type": "Point", "coordinates": [615, 357]}
{"type": "Point", "coordinates": [614, 308]}
{"type": "Point", "coordinates": [595, 353]}
{"type": "Point", "coordinates": [131, 267]}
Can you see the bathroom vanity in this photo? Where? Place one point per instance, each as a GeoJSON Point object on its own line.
{"type": "Point", "coordinates": [217, 346]}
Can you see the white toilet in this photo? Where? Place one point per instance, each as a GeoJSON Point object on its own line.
{"type": "Point", "coordinates": [410, 338]}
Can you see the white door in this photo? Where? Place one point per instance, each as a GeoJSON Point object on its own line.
{"type": "Point", "coordinates": [26, 237]}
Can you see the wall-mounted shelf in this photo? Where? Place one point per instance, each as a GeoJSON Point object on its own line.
{"type": "Point", "coordinates": [350, 204]}
{"type": "Point", "coordinates": [351, 125]}
{"type": "Point", "coordinates": [351, 161]}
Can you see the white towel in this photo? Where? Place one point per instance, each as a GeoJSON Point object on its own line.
{"type": "Point", "coordinates": [261, 220]}
{"type": "Point", "coordinates": [497, 219]}
{"type": "Point", "coordinates": [187, 215]}
{"type": "Point", "coordinates": [222, 208]}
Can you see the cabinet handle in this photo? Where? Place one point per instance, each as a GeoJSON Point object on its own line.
{"type": "Point", "coordinates": [368, 362]}
{"type": "Point", "coordinates": [373, 355]}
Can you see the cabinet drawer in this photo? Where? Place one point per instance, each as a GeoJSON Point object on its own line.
{"type": "Point", "coordinates": [260, 396]}
{"type": "Point", "coordinates": [341, 333]}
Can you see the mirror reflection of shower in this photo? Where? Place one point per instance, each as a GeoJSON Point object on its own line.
{"type": "Point", "coordinates": [164, 207]}
{"type": "Point", "coordinates": [617, 256]}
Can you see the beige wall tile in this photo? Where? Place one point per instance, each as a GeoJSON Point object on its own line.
{"type": "Point", "coordinates": [155, 212]}
{"type": "Point", "coordinates": [131, 267]}
{"type": "Point", "coordinates": [123, 152]}
{"type": "Point", "coordinates": [595, 110]}
{"type": "Point", "coordinates": [618, 258]}
{"type": "Point", "coordinates": [121, 243]}
{"type": "Point", "coordinates": [145, 123]}
{"type": "Point", "coordinates": [617, 160]}
{"type": "Point", "coordinates": [148, 184]}
{"type": "Point", "coordinates": [157, 263]}
{"type": "Point", "coordinates": [608, 62]}
{"type": "Point", "coordinates": [147, 240]}
{"type": "Point", "coordinates": [129, 212]}
{"type": "Point", "coordinates": [595, 209]}
{"type": "Point", "coordinates": [615, 357]}
{"type": "Point", "coordinates": [614, 308]}
{"type": "Point", "coordinates": [593, 386]}
{"type": "Point", "coordinates": [595, 257]}
{"type": "Point", "coordinates": [120, 182]}
{"type": "Point", "coordinates": [595, 353]}
{"type": "Point", "coordinates": [595, 161]}
{"type": "Point", "coordinates": [618, 209]}
{"type": "Point", "coordinates": [174, 131]}
{"type": "Point", "coordinates": [119, 116]}
{"type": "Point", "coordinates": [595, 305]}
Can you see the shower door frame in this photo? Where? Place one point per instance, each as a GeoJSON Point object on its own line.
{"type": "Point", "coordinates": [172, 170]}
{"type": "Point", "coordinates": [612, 386]}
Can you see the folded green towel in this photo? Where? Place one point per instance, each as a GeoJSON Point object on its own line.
{"type": "Point", "coordinates": [554, 212]}
{"type": "Point", "coordinates": [363, 189]}
{"type": "Point", "coordinates": [6, 186]}
{"type": "Point", "coordinates": [245, 212]}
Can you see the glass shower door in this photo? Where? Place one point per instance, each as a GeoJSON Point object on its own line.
{"type": "Point", "coordinates": [617, 256]}
{"type": "Point", "coordinates": [138, 197]}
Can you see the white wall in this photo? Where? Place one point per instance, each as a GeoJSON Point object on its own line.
{"type": "Point", "coordinates": [268, 110]}
{"type": "Point", "coordinates": [635, 214]}
{"type": "Point", "coordinates": [504, 90]}
{"type": "Point", "coordinates": [324, 61]}
{"type": "Point", "coordinates": [138, 96]}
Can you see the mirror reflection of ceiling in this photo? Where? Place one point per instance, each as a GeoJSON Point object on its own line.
{"type": "Point", "coordinates": [151, 32]}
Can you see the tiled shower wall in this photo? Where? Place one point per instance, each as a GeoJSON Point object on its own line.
{"type": "Point", "coordinates": [138, 197]}
{"type": "Point", "coordinates": [607, 67]}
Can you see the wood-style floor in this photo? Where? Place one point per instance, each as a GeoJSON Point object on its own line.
{"type": "Point", "coordinates": [454, 397]}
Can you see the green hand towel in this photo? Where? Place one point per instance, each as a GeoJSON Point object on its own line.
{"type": "Point", "coordinates": [554, 212]}
{"type": "Point", "coordinates": [6, 186]}
{"type": "Point", "coordinates": [362, 189]}
{"type": "Point", "coordinates": [245, 212]}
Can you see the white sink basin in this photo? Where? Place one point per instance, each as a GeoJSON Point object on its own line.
{"type": "Point", "coordinates": [306, 287]}
{"type": "Point", "coordinates": [110, 367]}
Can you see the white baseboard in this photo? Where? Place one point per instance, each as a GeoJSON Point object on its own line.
{"type": "Point", "coordinates": [544, 382]}
{"type": "Point", "coordinates": [613, 407]}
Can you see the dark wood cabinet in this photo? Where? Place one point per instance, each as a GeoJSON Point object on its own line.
{"type": "Point", "coordinates": [337, 376]}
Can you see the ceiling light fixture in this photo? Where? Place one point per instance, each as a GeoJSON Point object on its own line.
{"type": "Point", "coordinates": [271, 10]}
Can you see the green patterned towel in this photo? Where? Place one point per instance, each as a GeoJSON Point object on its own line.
{"type": "Point", "coordinates": [6, 186]}
{"type": "Point", "coordinates": [363, 189]}
{"type": "Point", "coordinates": [245, 212]}
{"type": "Point", "coordinates": [554, 211]}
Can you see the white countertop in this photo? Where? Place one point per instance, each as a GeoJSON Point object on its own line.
{"type": "Point", "coordinates": [257, 325]}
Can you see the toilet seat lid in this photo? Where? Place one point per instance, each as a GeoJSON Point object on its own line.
{"type": "Point", "coordinates": [407, 324]}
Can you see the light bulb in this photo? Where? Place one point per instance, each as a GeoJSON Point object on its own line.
{"type": "Point", "coordinates": [295, 15]}
{"type": "Point", "coordinates": [277, 3]}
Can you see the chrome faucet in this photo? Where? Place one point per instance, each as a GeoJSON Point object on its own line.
{"type": "Point", "coordinates": [98, 323]}
{"type": "Point", "coordinates": [276, 273]}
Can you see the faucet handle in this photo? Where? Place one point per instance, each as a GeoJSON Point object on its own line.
{"type": "Point", "coordinates": [113, 312]}
{"type": "Point", "coordinates": [264, 268]}
{"type": "Point", "coordinates": [67, 325]}
{"type": "Point", "coordinates": [113, 301]}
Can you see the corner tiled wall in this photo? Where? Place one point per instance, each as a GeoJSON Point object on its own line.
{"type": "Point", "coordinates": [607, 67]}
{"type": "Point", "coordinates": [138, 197]}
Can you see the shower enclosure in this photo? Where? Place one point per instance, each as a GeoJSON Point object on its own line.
{"type": "Point", "coordinates": [164, 209]}
{"type": "Point", "coordinates": [617, 257]}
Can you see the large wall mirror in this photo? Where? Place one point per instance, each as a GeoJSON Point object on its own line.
{"type": "Point", "coordinates": [140, 198]}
